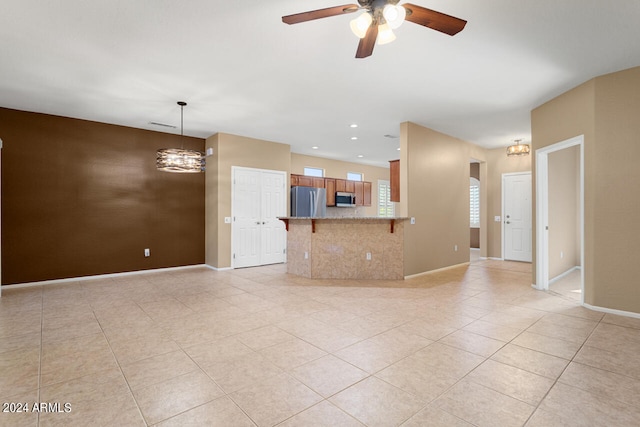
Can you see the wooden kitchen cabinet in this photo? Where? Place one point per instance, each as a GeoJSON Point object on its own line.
{"type": "Point", "coordinates": [318, 182]}
{"type": "Point", "coordinates": [358, 189]}
{"type": "Point", "coordinates": [362, 189]}
{"type": "Point", "coordinates": [306, 181]}
{"type": "Point", "coordinates": [394, 180]}
{"type": "Point", "coordinates": [350, 186]}
{"type": "Point", "coordinates": [330, 186]}
{"type": "Point", "coordinates": [366, 198]}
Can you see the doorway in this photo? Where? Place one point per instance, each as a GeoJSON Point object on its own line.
{"type": "Point", "coordinates": [516, 217]}
{"type": "Point", "coordinates": [551, 229]}
{"type": "Point", "coordinates": [474, 211]}
{"type": "Point", "coordinates": [258, 199]}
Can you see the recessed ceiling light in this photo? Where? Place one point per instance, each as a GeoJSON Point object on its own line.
{"type": "Point", "coordinates": [360, 156]}
{"type": "Point", "coordinates": [353, 125]}
{"type": "Point", "coordinates": [314, 148]}
{"type": "Point", "coordinates": [353, 138]}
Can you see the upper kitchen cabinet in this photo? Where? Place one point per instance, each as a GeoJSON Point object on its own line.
{"type": "Point", "coordinates": [330, 185]}
{"type": "Point", "coordinates": [306, 181]}
{"type": "Point", "coordinates": [394, 180]}
{"type": "Point", "coordinates": [362, 189]}
{"type": "Point", "coordinates": [366, 198]}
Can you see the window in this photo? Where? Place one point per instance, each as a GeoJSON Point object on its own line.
{"type": "Point", "coordinates": [474, 203]}
{"type": "Point", "coordinates": [314, 172]}
{"type": "Point", "coordinates": [354, 176]}
{"type": "Point", "coordinates": [385, 206]}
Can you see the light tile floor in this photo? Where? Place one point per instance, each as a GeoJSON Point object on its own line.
{"type": "Point", "coordinates": [468, 346]}
{"type": "Point", "coordinates": [569, 286]}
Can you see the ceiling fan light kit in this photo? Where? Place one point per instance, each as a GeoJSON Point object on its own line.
{"type": "Point", "coordinates": [380, 18]}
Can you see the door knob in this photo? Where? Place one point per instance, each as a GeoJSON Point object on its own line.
{"type": "Point", "coordinates": [508, 222]}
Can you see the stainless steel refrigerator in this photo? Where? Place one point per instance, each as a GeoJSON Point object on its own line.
{"type": "Point", "coordinates": [308, 202]}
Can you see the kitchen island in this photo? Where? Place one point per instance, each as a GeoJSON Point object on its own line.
{"type": "Point", "coordinates": [345, 248]}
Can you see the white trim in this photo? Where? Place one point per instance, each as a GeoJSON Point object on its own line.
{"type": "Point", "coordinates": [502, 210]}
{"type": "Point", "coordinates": [542, 211]}
{"type": "Point", "coordinates": [436, 270]}
{"type": "Point", "coordinates": [563, 275]}
{"type": "Point", "coordinates": [101, 276]}
{"type": "Point", "coordinates": [218, 269]}
{"type": "Point", "coordinates": [495, 258]}
{"type": "Point", "coordinates": [612, 311]}
{"type": "Point", "coordinates": [285, 199]}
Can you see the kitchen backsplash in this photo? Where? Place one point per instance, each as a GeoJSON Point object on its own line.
{"type": "Point", "coordinates": [333, 212]}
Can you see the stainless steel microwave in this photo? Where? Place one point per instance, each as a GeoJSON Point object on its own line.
{"type": "Point", "coordinates": [345, 200]}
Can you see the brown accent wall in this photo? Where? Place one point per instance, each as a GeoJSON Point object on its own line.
{"type": "Point", "coordinates": [83, 198]}
{"type": "Point", "coordinates": [474, 170]}
{"type": "Point", "coordinates": [605, 110]}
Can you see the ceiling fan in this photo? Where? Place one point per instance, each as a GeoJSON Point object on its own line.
{"type": "Point", "coordinates": [379, 19]}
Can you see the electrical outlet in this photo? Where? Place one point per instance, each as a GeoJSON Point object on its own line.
{"type": "Point", "coordinates": [306, 255]}
{"type": "Point", "coordinates": [455, 248]}
{"type": "Point", "coordinates": [147, 252]}
{"type": "Point", "coordinates": [368, 256]}
{"type": "Point", "coordinates": [413, 220]}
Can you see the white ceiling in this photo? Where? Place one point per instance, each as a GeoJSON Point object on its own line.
{"type": "Point", "coordinates": [242, 71]}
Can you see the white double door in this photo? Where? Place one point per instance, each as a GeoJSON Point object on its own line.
{"type": "Point", "coordinates": [258, 198]}
{"type": "Point", "coordinates": [516, 219]}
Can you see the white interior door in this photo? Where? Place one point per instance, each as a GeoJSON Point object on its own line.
{"type": "Point", "coordinates": [259, 197]}
{"type": "Point", "coordinates": [516, 216]}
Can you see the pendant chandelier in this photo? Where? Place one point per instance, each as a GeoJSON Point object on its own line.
{"type": "Point", "coordinates": [518, 149]}
{"type": "Point", "coordinates": [180, 160]}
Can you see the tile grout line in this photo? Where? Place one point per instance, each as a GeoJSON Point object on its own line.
{"type": "Point", "coordinates": [563, 370]}
{"type": "Point", "coordinates": [119, 366]}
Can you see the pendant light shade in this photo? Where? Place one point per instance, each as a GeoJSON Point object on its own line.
{"type": "Point", "coordinates": [361, 24]}
{"type": "Point", "coordinates": [180, 160]}
{"type": "Point", "coordinates": [518, 149]}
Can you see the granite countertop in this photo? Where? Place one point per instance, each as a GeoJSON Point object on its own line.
{"type": "Point", "coordinates": [350, 218]}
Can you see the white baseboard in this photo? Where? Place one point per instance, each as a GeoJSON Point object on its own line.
{"type": "Point", "coordinates": [100, 276]}
{"type": "Point", "coordinates": [495, 259]}
{"type": "Point", "coordinates": [435, 271]}
{"type": "Point", "coordinates": [612, 311]}
{"type": "Point", "coordinates": [217, 268]}
{"type": "Point", "coordinates": [563, 275]}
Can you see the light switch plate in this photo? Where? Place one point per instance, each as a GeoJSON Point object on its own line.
{"type": "Point", "coordinates": [413, 220]}
{"type": "Point", "coordinates": [496, 218]}
{"type": "Point", "coordinates": [227, 220]}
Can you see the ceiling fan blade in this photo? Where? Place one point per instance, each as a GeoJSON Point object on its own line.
{"type": "Point", "coordinates": [320, 13]}
{"type": "Point", "coordinates": [365, 47]}
{"type": "Point", "coordinates": [435, 20]}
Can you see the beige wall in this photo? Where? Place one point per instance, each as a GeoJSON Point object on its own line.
{"type": "Point", "coordinates": [229, 151]}
{"type": "Point", "coordinates": [339, 169]}
{"type": "Point", "coordinates": [564, 199]}
{"type": "Point", "coordinates": [605, 110]}
{"type": "Point", "coordinates": [499, 163]}
{"type": "Point", "coordinates": [569, 115]}
{"type": "Point", "coordinates": [435, 190]}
